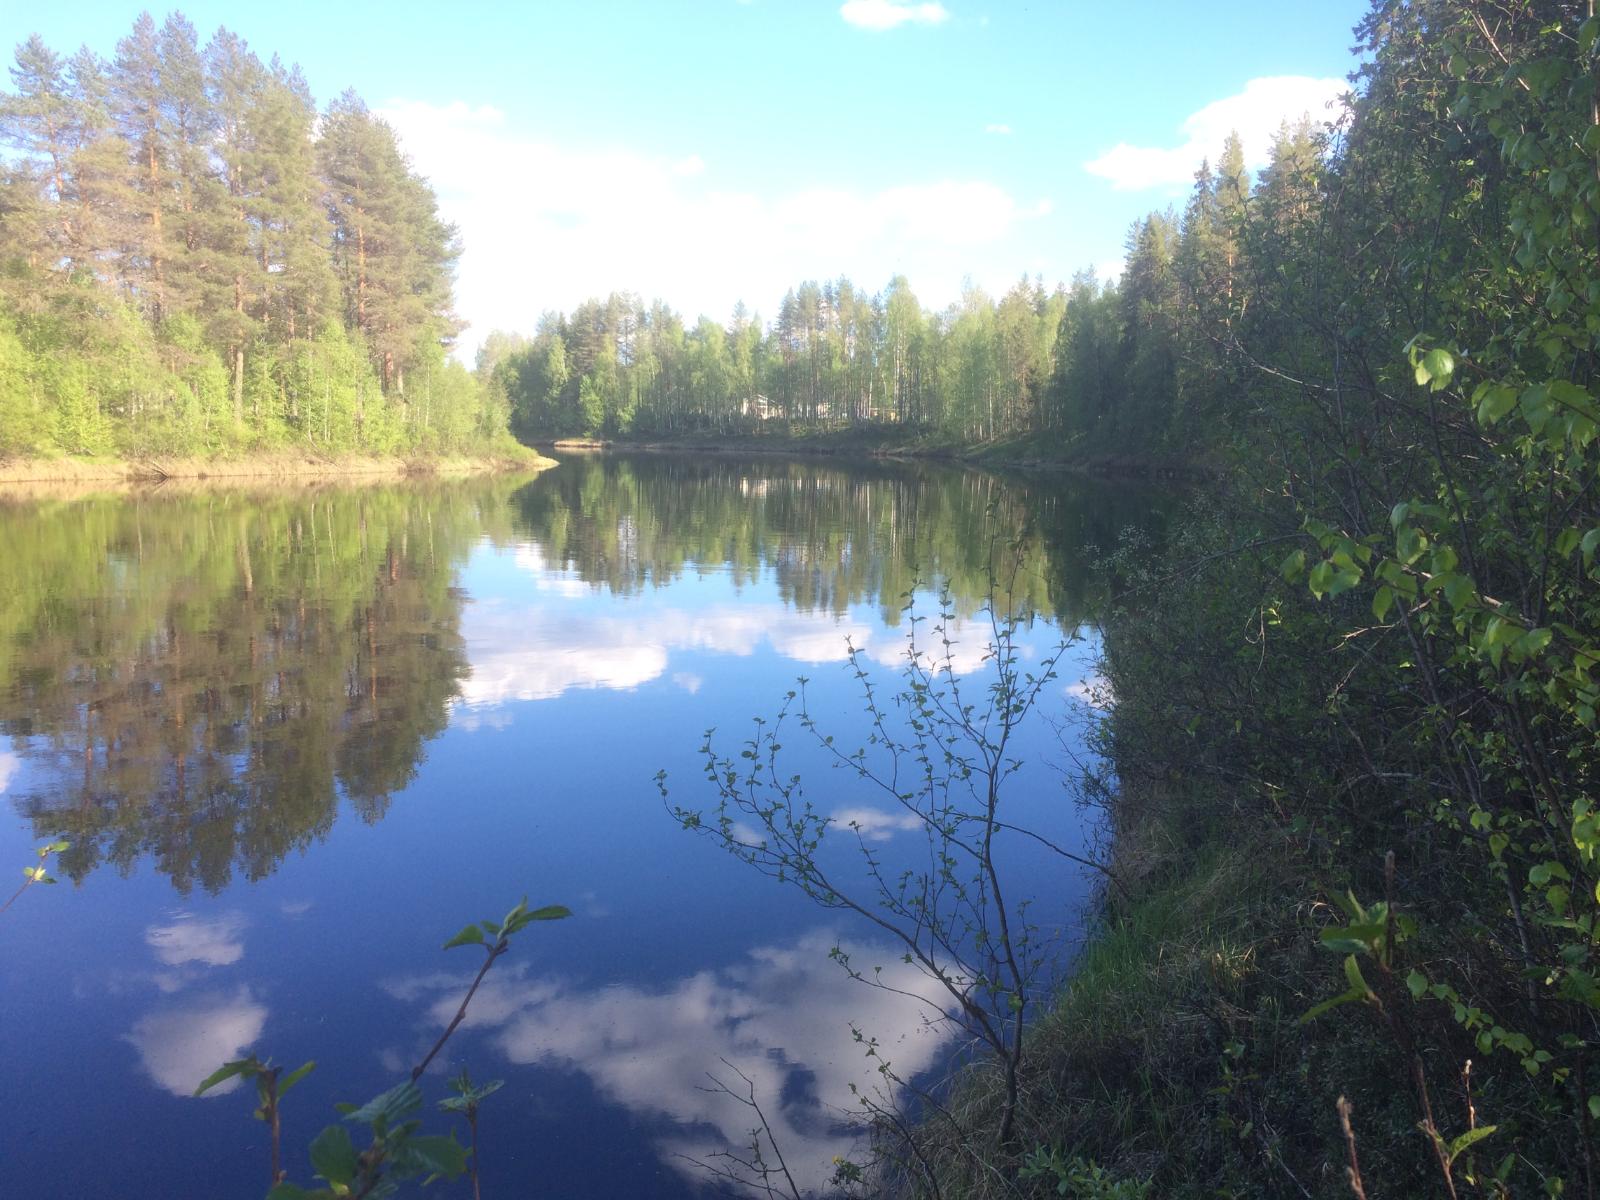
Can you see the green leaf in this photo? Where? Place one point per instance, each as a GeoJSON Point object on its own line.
{"type": "Point", "coordinates": [1293, 566]}
{"type": "Point", "coordinates": [1496, 400]}
{"type": "Point", "coordinates": [333, 1155]}
{"type": "Point", "coordinates": [1382, 602]}
{"type": "Point", "coordinates": [550, 912]}
{"type": "Point", "coordinates": [393, 1105]}
{"type": "Point", "coordinates": [1321, 579]}
{"type": "Point", "coordinates": [471, 935]}
{"type": "Point", "coordinates": [441, 1155]}
{"type": "Point", "coordinates": [1469, 1139]}
{"type": "Point", "coordinates": [1358, 982]}
{"type": "Point", "coordinates": [1344, 578]}
{"type": "Point", "coordinates": [1557, 897]}
{"type": "Point", "coordinates": [1348, 997]}
{"type": "Point", "coordinates": [296, 1075]}
{"type": "Point", "coordinates": [240, 1066]}
{"type": "Point", "coordinates": [1416, 984]}
{"type": "Point", "coordinates": [1436, 368]}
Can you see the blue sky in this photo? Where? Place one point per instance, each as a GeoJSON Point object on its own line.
{"type": "Point", "coordinates": [706, 151]}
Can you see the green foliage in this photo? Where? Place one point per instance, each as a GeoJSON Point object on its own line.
{"type": "Point", "coordinates": [1079, 1178]}
{"type": "Point", "coordinates": [177, 235]}
{"type": "Point", "coordinates": [1383, 635]}
{"type": "Point", "coordinates": [835, 358]}
{"type": "Point", "coordinates": [396, 1149]}
{"type": "Point", "coordinates": [38, 872]}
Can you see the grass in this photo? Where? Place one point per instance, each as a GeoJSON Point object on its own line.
{"type": "Point", "coordinates": [272, 465]}
{"type": "Point", "coordinates": [1173, 1049]}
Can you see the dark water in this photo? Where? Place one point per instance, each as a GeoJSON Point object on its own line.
{"type": "Point", "coordinates": [297, 738]}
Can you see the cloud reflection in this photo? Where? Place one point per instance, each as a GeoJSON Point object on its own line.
{"type": "Point", "coordinates": [180, 1043]}
{"type": "Point", "coordinates": [180, 1046]}
{"type": "Point", "coordinates": [517, 655]}
{"type": "Point", "coordinates": [876, 824]}
{"type": "Point", "coordinates": [783, 1017]}
{"type": "Point", "coordinates": [1095, 692]}
{"type": "Point", "coordinates": [215, 943]}
{"type": "Point", "coordinates": [10, 764]}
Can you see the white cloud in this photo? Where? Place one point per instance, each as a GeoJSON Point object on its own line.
{"type": "Point", "coordinates": [215, 943]}
{"type": "Point", "coordinates": [879, 15]}
{"type": "Point", "coordinates": [179, 1047]}
{"type": "Point", "coordinates": [782, 1016]}
{"type": "Point", "coordinates": [1000, 129]}
{"type": "Point", "coordinates": [1255, 114]}
{"type": "Point", "coordinates": [548, 225]}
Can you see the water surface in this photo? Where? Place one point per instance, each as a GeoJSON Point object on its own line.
{"type": "Point", "coordinates": [298, 737]}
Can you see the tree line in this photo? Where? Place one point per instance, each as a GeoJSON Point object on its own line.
{"type": "Point", "coordinates": [195, 258]}
{"type": "Point", "coordinates": [836, 356]}
{"type": "Point", "coordinates": [1104, 364]}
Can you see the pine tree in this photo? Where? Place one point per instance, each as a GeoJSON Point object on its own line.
{"type": "Point", "coordinates": [136, 98]}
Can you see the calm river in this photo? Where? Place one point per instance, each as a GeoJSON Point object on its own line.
{"type": "Point", "coordinates": [298, 737]}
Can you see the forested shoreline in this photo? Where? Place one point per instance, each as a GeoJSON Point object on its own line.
{"type": "Point", "coordinates": [1355, 734]}
{"type": "Point", "coordinates": [1090, 368]}
{"type": "Point", "coordinates": [197, 260]}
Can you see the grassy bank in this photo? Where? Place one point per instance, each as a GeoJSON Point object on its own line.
{"type": "Point", "coordinates": [284, 466]}
{"type": "Point", "coordinates": [1287, 841]}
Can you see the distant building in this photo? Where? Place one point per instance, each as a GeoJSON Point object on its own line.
{"type": "Point", "coordinates": [759, 407]}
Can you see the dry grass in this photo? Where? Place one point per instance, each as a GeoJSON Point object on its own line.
{"type": "Point", "coordinates": [65, 476]}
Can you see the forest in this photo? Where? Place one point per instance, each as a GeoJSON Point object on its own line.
{"type": "Point", "coordinates": [197, 260]}
{"type": "Point", "coordinates": [1103, 364]}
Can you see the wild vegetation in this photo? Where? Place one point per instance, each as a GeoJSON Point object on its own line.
{"type": "Point", "coordinates": [196, 260]}
{"type": "Point", "coordinates": [1355, 722]}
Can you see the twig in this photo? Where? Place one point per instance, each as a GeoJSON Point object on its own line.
{"type": "Point", "coordinates": [1354, 1169]}
{"type": "Point", "coordinates": [491, 953]}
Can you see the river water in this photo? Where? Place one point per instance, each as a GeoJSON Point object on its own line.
{"type": "Point", "coordinates": [297, 737]}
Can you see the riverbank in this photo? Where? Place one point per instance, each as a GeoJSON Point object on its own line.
{"type": "Point", "coordinates": [1249, 1009]}
{"type": "Point", "coordinates": [893, 442]}
{"type": "Point", "coordinates": [283, 466]}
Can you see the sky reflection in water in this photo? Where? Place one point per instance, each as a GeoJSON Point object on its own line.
{"type": "Point", "coordinates": [299, 741]}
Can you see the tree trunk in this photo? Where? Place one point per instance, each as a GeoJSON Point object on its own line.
{"type": "Point", "coordinates": [238, 349]}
